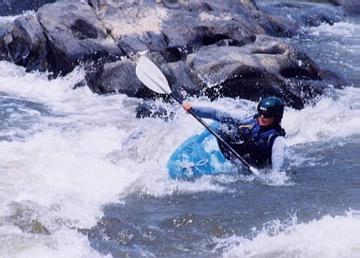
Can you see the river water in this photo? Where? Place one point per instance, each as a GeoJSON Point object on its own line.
{"type": "Point", "coordinates": [80, 176]}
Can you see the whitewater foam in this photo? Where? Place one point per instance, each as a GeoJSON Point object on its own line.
{"type": "Point", "coordinates": [330, 237]}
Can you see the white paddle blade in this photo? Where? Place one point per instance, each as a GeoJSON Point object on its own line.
{"type": "Point", "coordinates": [151, 76]}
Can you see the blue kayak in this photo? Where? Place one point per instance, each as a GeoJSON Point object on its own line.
{"type": "Point", "coordinates": [197, 156]}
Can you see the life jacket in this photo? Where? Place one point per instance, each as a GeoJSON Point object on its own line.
{"type": "Point", "coordinates": [252, 142]}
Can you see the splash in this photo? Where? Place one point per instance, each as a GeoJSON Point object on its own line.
{"type": "Point", "coordinates": [329, 118]}
{"type": "Point", "coordinates": [331, 237]}
{"type": "Point", "coordinates": [55, 178]}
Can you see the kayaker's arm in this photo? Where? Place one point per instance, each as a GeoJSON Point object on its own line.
{"type": "Point", "coordinates": [211, 113]}
{"type": "Point", "coordinates": [278, 154]}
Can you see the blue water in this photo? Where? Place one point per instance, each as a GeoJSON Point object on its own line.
{"type": "Point", "coordinates": [80, 176]}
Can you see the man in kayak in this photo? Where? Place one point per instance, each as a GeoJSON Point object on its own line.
{"type": "Point", "coordinates": [260, 140]}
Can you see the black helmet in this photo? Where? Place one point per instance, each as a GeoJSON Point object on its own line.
{"type": "Point", "coordinates": [271, 107]}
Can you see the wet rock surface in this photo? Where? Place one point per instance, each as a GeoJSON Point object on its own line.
{"type": "Point", "coordinates": [266, 67]}
{"type": "Point", "coordinates": [351, 6]}
{"type": "Point", "coordinates": [74, 33]}
{"type": "Point", "coordinates": [24, 43]}
{"type": "Point", "coordinates": [304, 13]}
{"type": "Point", "coordinates": [212, 48]}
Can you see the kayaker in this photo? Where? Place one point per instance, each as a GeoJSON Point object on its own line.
{"type": "Point", "coordinates": [260, 140]}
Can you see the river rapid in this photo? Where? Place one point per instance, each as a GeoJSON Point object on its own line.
{"type": "Point", "coordinates": [80, 176]}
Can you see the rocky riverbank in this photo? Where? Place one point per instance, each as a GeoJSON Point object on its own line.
{"type": "Point", "coordinates": [215, 48]}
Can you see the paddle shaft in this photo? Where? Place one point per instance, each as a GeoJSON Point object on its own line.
{"type": "Point", "coordinates": [190, 111]}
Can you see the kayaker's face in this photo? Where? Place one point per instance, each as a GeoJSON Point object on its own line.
{"type": "Point", "coordinates": [265, 121]}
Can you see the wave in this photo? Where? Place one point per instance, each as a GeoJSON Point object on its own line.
{"type": "Point", "coordinates": [330, 237]}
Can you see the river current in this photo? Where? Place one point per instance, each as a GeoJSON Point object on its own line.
{"type": "Point", "coordinates": [80, 176]}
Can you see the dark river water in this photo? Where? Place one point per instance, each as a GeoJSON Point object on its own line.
{"type": "Point", "coordinates": [81, 177]}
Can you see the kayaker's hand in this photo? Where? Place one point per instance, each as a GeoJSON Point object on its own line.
{"type": "Point", "coordinates": [186, 106]}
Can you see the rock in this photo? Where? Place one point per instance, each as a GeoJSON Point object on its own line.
{"type": "Point", "coordinates": [179, 77]}
{"type": "Point", "coordinates": [204, 23]}
{"type": "Point", "coordinates": [275, 25]}
{"type": "Point", "coordinates": [217, 48]}
{"type": "Point", "coordinates": [351, 6]}
{"type": "Point", "coordinates": [267, 67]}
{"type": "Point", "coordinates": [109, 75]}
{"type": "Point", "coordinates": [112, 77]}
{"type": "Point", "coordinates": [13, 7]}
{"type": "Point", "coordinates": [229, 6]}
{"type": "Point", "coordinates": [150, 41]}
{"type": "Point", "coordinates": [25, 219]}
{"type": "Point", "coordinates": [24, 44]}
{"type": "Point", "coordinates": [4, 37]}
{"type": "Point", "coordinates": [74, 34]}
{"type": "Point", "coordinates": [123, 18]}
{"type": "Point", "coordinates": [187, 31]}
{"type": "Point", "coordinates": [184, 26]}
{"type": "Point", "coordinates": [249, 4]}
{"type": "Point", "coordinates": [134, 25]}
{"type": "Point", "coordinates": [303, 14]}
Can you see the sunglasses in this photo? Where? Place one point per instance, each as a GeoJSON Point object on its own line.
{"type": "Point", "coordinates": [265, 114]}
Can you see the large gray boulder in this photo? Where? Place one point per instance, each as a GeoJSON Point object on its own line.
{"type": "Point", "coordinates": [149, 41]}
{"type": "Point", "coordinates": [24, 43]}
{"type": "Point", "coordinates": [4, 53]}
{"type": "Point", "coordinates": [124, 18]}
{"type": "Point", "coordinates": [266, 67]}
{"type": "Point", "coordinates": [352, 6]}
{"type": "Point", "coordinates": [191, 30]}
{"type": "Point", "coordinates": [303, 13]}
{"type": "Point", "coordinates": [74, 33]}
{"type": "Point", "coordinates": [180, 78]}
{"type": "Point", "coordinates": [180, 27]}
{"type": "Point", "coordinates": [116, 77]}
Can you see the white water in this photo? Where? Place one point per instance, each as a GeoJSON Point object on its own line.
{"type": "Point", "coordinates": [61, 171]}
{"type": "Point", "coordinates": [329, 237]}
{"type": "Point", "coordinates": [330, 118]}
{"type": "Point", "coordinates": [67, 166]}
{"type": "Point", "coordinates": [59, 176]}
{"type": "Point", "coordinates": [56, 175]}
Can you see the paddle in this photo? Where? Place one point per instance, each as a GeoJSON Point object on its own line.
{"type": "Point", "coordinates": [151, 76]}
